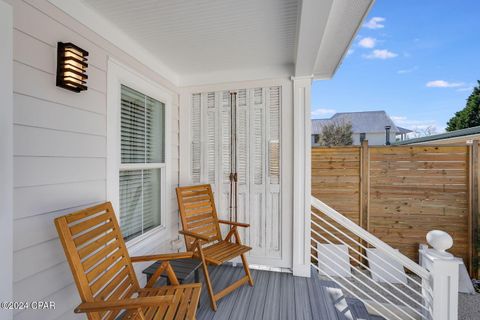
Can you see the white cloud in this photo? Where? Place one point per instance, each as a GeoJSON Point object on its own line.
{"type": "Point", "coordinates": [443, 84]}
{"type": "Point", "coordinates": [403, 121]}
{"type": "Point", "coordinates": [322, 112]}
{"type": "Point", "coordinates": [350, 51]}
{"type": "Point", "coordinates": [381, 54]}
{"type": "Point", "coordinates": [465, 89]}
{"type": "Point", "coordinates": [409, 70]}
{"type": "Point", "coordinates": [375, 23]}
{"type": "Point", "coordinates": [416, 125]}
{"type": "Point", "coordinates": [367, 42]}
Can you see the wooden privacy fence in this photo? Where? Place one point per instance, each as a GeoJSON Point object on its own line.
{"type": "Point", "coordinates": [399, 193]}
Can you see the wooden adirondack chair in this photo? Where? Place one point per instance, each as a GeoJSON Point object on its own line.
{"type": "Point", "coordinates": [104, 275]}
{"type": "Point", "coordinates": [202, 234]}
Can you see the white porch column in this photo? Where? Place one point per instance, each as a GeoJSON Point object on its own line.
{"type": "Point", "coordinates": [301, 175]}
{"type": "Point", "coordinates": [6, 156]}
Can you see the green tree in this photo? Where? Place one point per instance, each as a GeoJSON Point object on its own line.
{"type": "Point", "coordinates": [336, 134]}
{"type": "Point", "coordinates": [470, 115]}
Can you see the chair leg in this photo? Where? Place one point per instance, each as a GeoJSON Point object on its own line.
{"type": "Point", "coordinates": [213, 303]}
{"type": "Point", "coordinates": [247, 269]}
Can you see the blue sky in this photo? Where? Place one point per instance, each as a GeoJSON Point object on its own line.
{"type": "Point", "coordinates": [416, 59]}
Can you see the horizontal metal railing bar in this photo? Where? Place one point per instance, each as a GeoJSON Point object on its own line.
{"type": "Point", "coordinates": [361, 245]}
{"type": "Point", "coordinates": [383, 288]}
{"type": "Point", "coordinates": [386, 300]}
{"type": "Point", "coordinates": [370, 238]}
{"type": "Point", "coordinates": [357, 288]}
{"type": "Point", "coordinates": [349, 291]}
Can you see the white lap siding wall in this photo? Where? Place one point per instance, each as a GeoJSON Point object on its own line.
{"type": "Point", "coordinates": [60, 151]}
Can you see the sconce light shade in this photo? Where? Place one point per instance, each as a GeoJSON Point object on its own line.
{"type": "Point", "coordinates": [71, 67]}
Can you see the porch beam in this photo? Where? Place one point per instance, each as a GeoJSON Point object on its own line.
{"type": "Point", "coordinates": [301, 175]}
{"type": "Point", "coordinates": [313, 19]}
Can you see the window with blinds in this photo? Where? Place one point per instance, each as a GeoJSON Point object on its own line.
{"type": "Point", "coordinates": [142, 162]}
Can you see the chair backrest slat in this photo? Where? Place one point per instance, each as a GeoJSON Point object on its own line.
{"type": "Point", "coordinates": [97, 256]}
{"type": "Point", "coordinates": [198, 212]}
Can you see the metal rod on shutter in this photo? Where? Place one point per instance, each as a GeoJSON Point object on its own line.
{"type": "Point", "coordinates": [233, 156]}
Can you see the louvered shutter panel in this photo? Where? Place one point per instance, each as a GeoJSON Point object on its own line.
{"type": "Point", "coordinates": [274, 136]}
{"type": "Point", "coordinates": [273, 203]}
{"type": "Point", "coordinates": [196, 137]}
{"type": "Point", "coordinates": [258, 160]}
{"type": "Point", "coordinates": [142, 141]}
{"type": "Point", "coordinates": [211, 139]}
{"type": "Point", "coordinates": [225, 132]}
{"type": "Point", "coordinates": [242, 161]}
{"type": "Point", "coordinates": [257, 174]}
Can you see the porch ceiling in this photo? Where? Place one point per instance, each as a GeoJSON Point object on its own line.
{"type": "Point", "coordinates": [205, 36]}
{"type": "Point", "coordinates": [213, 41]}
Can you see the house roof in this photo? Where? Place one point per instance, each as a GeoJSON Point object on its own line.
{"type": "Point", "coordinates": [367, 122]}
{"type": "Point", "coordinates": [443, 136]}
{"type": "Point", "coordinates": [403, 130]}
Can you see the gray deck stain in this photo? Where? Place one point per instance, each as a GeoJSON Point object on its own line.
{"type": "Point", "coordinates": [275, 295]}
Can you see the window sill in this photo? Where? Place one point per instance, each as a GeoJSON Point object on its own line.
{"type": "Point", "coordinates": [156, 235]}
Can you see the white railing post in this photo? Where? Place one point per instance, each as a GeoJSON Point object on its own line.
{"type": "Point", "coordinates": [444, 270]}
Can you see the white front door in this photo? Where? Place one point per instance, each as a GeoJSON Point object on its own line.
{"type": "Point", "coordinates": [258, 164]}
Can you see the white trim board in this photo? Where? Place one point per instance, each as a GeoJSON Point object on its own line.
{"type": "Point", "coordinates": [119, 74]}
{"type": "Point", "coordinates": [6, 156]}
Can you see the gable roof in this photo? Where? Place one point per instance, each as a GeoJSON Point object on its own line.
{"type": "Point", "coordinates": [365, 121]}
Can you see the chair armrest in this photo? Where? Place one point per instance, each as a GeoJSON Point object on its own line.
{"type": "Point", "coordinates": [233, 223]}
{"type": "Point", "coordinates": [162, 257]}
{"type": "Point", "coordinates": [134, 303]}
{"type": "Point", "coordinates": [196, 235]}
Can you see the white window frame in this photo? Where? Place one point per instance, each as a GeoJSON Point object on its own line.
{"type": "Point", "coordinates": [118, 75]}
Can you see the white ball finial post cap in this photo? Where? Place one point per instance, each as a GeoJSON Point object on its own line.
{"type": "Point", "coordinates": [439, 240]}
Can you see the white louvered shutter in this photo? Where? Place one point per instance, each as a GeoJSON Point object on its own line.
{"type": "Point", "coordinates": [196, 137]}
{"type": "Point", "coordinates": [258, 161]}
{"type": "Point", "coordinates": [257, 171]}
{"type": "Point", "coordinates": [142, 161]}
{"type": "Point", "coordinates": [273, 204]}
{"type": "Point", "coordinates": [211, 139]}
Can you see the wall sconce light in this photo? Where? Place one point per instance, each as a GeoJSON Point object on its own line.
{"type": "Point", "coordinates": [71, 67]}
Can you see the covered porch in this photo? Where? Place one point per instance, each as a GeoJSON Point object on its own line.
{"type": "Point", "coordinates": [177, 62]}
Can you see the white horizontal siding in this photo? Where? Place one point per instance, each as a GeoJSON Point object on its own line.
{"type": "Point", "coordinates": [60, 153]}
{"type": "Point", "coordinates": [31, 201]}
{"type": "Point", "coordinates": [36, 171]}
{"type": "Point", "coordinates": [30, 111]}
{"type": "Point", "coordinates": [31, 141]}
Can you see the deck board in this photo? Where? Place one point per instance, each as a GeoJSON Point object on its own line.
{"type": "Point", "coordinates": [275, 296]}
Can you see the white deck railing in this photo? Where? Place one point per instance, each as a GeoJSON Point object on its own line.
{"type": "Point", "coordinates": [427, 294]}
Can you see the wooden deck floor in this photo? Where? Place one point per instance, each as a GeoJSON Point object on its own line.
{"type": "Point", "coordinates": [274, 296]}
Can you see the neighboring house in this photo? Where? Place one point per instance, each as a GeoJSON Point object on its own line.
{"type": "Point", "coordinates": [375, 126]}
{"type": "Point", "coordinates": [463, 136]}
